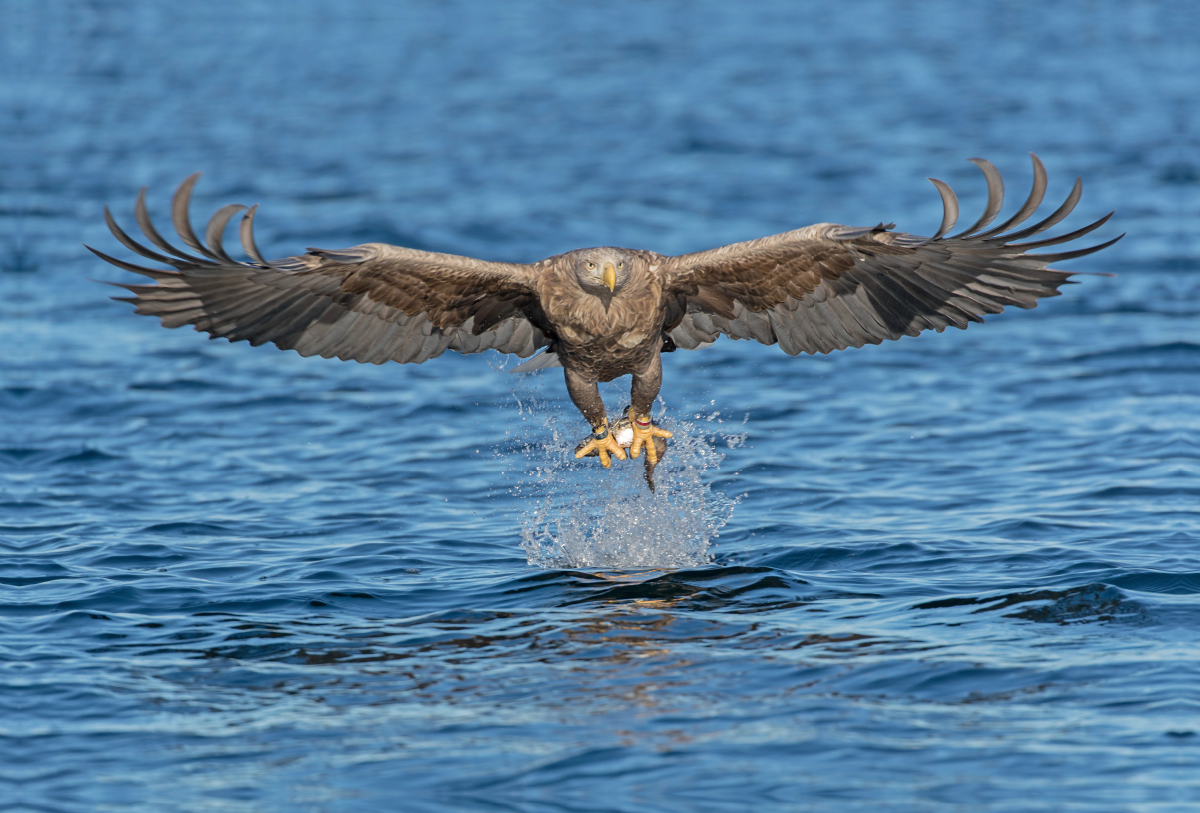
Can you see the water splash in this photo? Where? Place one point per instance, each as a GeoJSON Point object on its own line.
{"type": "Point", "coordinates": [575, 513]}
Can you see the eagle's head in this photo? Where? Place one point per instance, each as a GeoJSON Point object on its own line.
{"type": "Point", "coordinates": [602, 272]}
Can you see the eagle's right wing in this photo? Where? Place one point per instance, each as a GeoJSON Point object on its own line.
{"type": "Point", "coordinates": [370, 303]}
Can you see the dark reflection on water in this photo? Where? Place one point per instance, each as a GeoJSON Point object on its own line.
{"type": "Point", "coordinates": [955, 573]}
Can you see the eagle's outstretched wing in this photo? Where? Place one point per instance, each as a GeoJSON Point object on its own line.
{"type": "Point", "coordinates": [370, 303]}
{"type": "Point", "coordinates": [827, 287]}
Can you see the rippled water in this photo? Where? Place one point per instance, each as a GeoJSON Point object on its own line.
{"type": "Point", "coordinates": [953, 573]}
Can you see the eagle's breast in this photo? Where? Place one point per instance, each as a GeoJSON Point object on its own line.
{"type": "Point", "coordinates": [572, 334]}
{"type": "Point", "coordinates": [632, 338]}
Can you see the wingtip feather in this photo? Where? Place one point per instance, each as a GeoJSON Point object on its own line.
{"type": "Point", "coordinates": [1070, 255]}
{"type": "Point", "coordinates": [949, 208]}
{"type": "Point", "coordinates": [180, 203]}
{"type": "Point", "coordinates": [142, 215]}
{"type": "Point", "coordinates": [995, 188]}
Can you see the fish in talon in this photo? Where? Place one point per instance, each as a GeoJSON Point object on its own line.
{"type": "Point", "coordinates": [643, 432]}
{"type": "Point", "coordinates": [622, 433]}
{"type": "Point", "coordinates": [603, 444]}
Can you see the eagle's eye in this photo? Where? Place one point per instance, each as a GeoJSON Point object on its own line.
{"type": "Point", "coordinates": [620, 265]}
{"type": "Point", "coordinates": [591, 266]}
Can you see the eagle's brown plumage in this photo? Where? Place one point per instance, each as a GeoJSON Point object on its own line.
{"type": "Point", "coordinates": [813, 290]}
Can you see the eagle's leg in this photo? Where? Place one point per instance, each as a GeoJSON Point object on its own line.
{"type": "Point", "coordinates": [646, 385]}
{"type": "Point", "coordinates": [586, 396]}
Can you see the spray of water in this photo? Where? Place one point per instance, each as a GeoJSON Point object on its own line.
{"type": "Point", "coordinates": [576, 514]}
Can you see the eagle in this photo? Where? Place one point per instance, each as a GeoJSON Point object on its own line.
{"type": "Point", "coordinates": [601, 313]}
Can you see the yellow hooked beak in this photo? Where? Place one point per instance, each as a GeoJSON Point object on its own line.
{"type": "Point", "coordinates": [610, 276]}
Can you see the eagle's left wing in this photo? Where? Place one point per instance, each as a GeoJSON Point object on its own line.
{"type": "Point", "coordinates": [827, 287]}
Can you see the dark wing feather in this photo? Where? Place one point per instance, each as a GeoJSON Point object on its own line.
{"type": "Point", "coordinates": [370, 303]}
{"type": "Point", "coordinates": [827, 287]}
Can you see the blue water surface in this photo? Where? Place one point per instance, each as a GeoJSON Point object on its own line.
{"type": "Point", "coordinates": [954, 573]}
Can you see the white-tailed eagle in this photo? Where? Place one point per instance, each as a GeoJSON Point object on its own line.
{"type": "Point", "coordinates": [604, 312]}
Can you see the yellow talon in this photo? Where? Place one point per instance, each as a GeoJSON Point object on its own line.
{"type": "Point", "coordinates": [644, 433]}
{"type": "Point", "coordinates": [602, 446]}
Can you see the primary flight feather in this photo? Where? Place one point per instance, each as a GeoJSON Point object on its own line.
{"type": "Point", "coordinates": [604, 312]}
